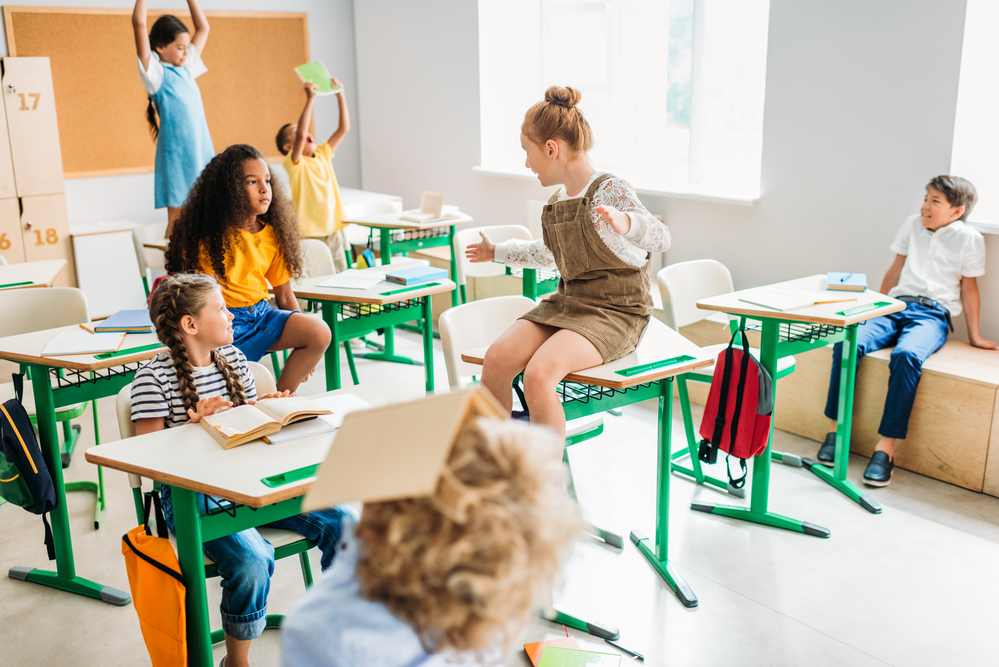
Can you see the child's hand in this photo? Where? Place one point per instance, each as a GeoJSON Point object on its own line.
{"type": "Point", "coordinates": [310, 90]}
{"type": "Point", "coordinates": [336, 83]}
{"type": "Point", "coordinates": [273, 394]}
{"type": "Point", "coordinates": [481, 252]}
{"type": "Point", "coordinates": [618, 221]}
{"type": "Point", "coordinates": [983, 343]}
{"type": "Point", "coordinates": [208, 406]}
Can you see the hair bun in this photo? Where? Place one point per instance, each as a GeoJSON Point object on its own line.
{"type": "Point", "coordinates": [563, 96]}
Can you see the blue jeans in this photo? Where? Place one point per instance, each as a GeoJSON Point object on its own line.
{"type": "Point", "coordinates": [916, 333]}
{"type": "Point", "coordinates": [256, 328]}
{"type": "Point", "coordinates": [245, 562]}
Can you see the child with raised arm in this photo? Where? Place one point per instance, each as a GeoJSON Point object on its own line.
{"type": "Point", "coordinates": [314, 188]}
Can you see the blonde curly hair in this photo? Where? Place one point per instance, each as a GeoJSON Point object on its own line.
{"type": "Point", "coordinates": [466, 566]}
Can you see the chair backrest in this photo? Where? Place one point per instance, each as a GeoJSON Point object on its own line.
{"type": "Point", "coordinates": [27, 310]}
{"type": "Point", "coordinates": [683, 284]}
{"type": "Point", "coordinates": [496, 234]}
{"type": "Point", "coordinates": [473, 325]}
{"type": "Point", "coordinates": [317, 259]}
{"type": "Point", "coordinates": [262, 378]}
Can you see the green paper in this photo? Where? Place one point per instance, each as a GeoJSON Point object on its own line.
{"type": "Point", "coordinates": [128, 350]}
{"type": "Point", "coordinates": [652, 365]}
{"type": "Point", "coordinates": [316, 73]}
{"type": "Point", "coordinates": [557, 656]}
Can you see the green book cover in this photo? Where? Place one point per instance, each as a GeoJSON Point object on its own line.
{"type": "Point", "coordinates": [316, 72]}
{"type": "Point", "coordinates": [557, 656]}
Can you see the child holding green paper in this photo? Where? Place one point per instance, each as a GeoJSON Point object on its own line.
{"type": "Point", "coordinates": [313, 183]}
{"type": "Point", "coordinates": [938, 258]}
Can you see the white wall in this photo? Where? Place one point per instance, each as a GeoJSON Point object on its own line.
{"type": "Point", "coordinates": [859, 115]}
{"type": "Point", "coordinates": [331, 39]}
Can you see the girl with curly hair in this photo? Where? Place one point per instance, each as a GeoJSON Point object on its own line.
{"type": "Point", "coordinates": [449, 579]}
{"type": "Point", "coordinates": [200, 374]}
{"type": "Point", "coordinates": [238, 228]}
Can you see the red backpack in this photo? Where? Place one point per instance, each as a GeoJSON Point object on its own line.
{"type": "Point", "coordinates": [739, 408]}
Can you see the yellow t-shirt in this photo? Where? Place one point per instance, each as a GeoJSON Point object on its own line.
{"type": "Point", "coordinates": [254, 261]}
{"type": "Point", "coordinates": [315, 193]}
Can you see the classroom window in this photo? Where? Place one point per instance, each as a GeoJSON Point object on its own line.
{"type": "Point", "coordinates": [976, 133]}
{"type": "Point", "coordinates": [672, 88]}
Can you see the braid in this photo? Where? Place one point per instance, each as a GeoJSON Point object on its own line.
{"type": "Point", "coordinates": [232, 384]}
{"type": "Point", "coordinates": [168, 331]}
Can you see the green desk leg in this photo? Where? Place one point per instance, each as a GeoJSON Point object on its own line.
{"type": "Point", "coordinates": [695, 473]}
{"type": "Point", "coordinates": [836, 477]}
{"type": "Point", "coordinates": [428, 342]}
{"type": "Point", "coordinates": [758, 511]}
{"type": "Point", "coordinates": [187, 521]}
{"type": "Point", "coordinates": [530, 284]}
{"type": "Point", "coordinates": [65, 577]}
{"type": "Point", "coordinates": [456, 297]}
{"type": "Point", "coordinates": [331, 358]}
{"type": "Point", "coordinates": [659, 558]}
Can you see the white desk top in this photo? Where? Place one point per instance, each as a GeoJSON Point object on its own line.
{"type": "Point", "coordinates": [40, 274]}
{"type": "Point", "coordinates": [161, 244]}
{"type": "Point", "coordinates": [27, 348]}
{"type": "Point", "coordinates": [392, 221]}
{"type": "Point", "coordinates": [658, 342]}
{"type": "Point", "coordinates": [188, 457]}
{"type": "Point", "coordinates": [309, 288]}
{"type": "Point", "coordinates": [820, 314]}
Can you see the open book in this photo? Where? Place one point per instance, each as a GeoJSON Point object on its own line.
{"type": "Point", "coordinates": [246, 423]}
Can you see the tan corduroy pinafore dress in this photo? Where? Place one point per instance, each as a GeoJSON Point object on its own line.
{"type": "Point", "coordinates": [600, 297]}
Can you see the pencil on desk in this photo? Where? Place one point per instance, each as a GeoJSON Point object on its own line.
{"type": "Point", "coordinates": [86, 327]}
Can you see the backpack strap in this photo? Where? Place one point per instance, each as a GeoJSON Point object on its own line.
{"type": "Point", "coordinates": [153, 501]}
{"type": "Point", "coordinates": [726, 383]}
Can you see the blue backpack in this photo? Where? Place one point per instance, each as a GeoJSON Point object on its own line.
{"type": "Point", "coordinates": [24, 476]}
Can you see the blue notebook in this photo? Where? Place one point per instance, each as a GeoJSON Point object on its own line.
{"type": "Point", "coordinates": [415, 275]}
{"type": "Point", "coordinates": [126, 321]}
{"type": "Point", "coordinates": [846, 282]}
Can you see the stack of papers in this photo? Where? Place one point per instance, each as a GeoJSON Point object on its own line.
{"type": "Point", "coordinates": [359, 279]}
{"type": "Point", "coordinates": [77, 341]}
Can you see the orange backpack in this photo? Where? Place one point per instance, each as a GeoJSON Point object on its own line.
{"type": "Point", "coordinates": [157, 588]}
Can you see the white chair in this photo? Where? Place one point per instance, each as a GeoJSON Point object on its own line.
{"type": "Point", "coordinates": [681, 286]}
{"type": "Point", "coordinates": [3, 260]}
{"type": "Point", "coordinates": [27, 310]}
{"type": "Point", "coordinates": [285, 542]}
{"type": "Point", "coordinates": [476, 325]}
{"type": "Point", "coordinates": [466, 237]}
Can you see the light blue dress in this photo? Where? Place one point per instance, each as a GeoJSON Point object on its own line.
{"type": "Point", "coordinates": [184, 145]}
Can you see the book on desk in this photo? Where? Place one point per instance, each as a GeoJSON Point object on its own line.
{"type": "Point", "coordinates": [846, 282]}
{"type": "Point", "coordinates": [415, 275]}
{"type": "Point", "coordinates": [246, 423]}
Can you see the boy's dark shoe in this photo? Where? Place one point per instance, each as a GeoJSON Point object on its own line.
{"type": "Point", "coordinates": [878, 470]}
{"type": "Point", "coordinates": [827, 450]}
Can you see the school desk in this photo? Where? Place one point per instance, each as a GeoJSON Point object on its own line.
{"type": "Point", "coordinates": [58, 382]}
{"type": "Point", "coordinates": [786, 333]}
{"type": "Point", "coordinates": [266, 483]}
{"type": "Point", "coordinates": [30, 274]}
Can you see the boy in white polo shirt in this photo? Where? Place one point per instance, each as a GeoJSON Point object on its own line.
{"type": "Point", "coordinates": [938, 259]}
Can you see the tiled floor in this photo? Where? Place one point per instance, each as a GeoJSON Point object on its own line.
{"type": "Point", "coordinates": [914, 586]}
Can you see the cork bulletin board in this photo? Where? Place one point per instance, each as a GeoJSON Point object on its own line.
{"type": "Point", "coordinates": [249, 90]}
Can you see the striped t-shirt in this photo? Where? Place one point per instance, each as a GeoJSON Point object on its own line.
{"type": "Point", "coordinates": [155, 391]}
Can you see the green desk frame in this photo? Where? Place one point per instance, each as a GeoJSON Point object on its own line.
{"type": "Point", "coordinates": [356, 320]}
{"type": "Point", "coordinates": [70, 387]}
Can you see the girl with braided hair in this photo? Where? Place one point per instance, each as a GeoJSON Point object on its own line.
{"type": "Point", "coordinates": [202, 373]}
{"type": "Point", "coordinates": [239, 229]}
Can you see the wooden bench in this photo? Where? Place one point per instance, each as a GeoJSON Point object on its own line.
{"type": "Point", "coordinates": [954, 428]}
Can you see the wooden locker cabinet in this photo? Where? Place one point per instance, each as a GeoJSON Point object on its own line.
{"type": "Point", "coordinates": [29, 102]}
{"type": "Point", "coordinates": [45, 231]}
{"type": "Point", "coordinates": [7, 187]}
{"type": "Point", "coordinates": [11, 243]}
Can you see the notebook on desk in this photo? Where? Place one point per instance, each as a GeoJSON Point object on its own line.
{"type": "Point", "coordinates": [783, 300]}
{"type": "Point", "coordinates": [75, 341]}
{"type": "Point", "coordinates": [360, 279]}
{"type": "Point", "coordinates": [126, 321]}
{"type": "Point", "coordinates": [846, 282]}
{"type": "Point", "coordinates": [415, 275]}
